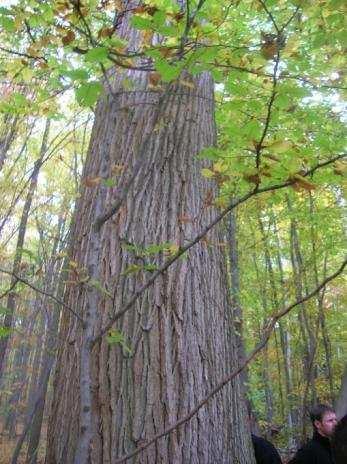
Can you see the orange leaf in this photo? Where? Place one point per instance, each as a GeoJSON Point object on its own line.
{"type": "Point", "coordinates": [92, 181]}
{"type": "Point", "coordinates": [154, 78]}
{"type": "Point", "coordinates": [68, 38]}
{"type": "Point", "coordinates": [105, 32]}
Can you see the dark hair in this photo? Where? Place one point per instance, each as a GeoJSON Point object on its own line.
{"type": "Point", "coordinates": [318, 411]}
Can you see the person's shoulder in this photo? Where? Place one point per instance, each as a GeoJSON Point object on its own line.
{"type": "Point", "coordinates": [265, 451]}
{"type": "Point", "coordinates": [305, 454]}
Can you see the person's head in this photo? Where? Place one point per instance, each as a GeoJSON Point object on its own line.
{"type": "Point", "coordinates": [323, 419]}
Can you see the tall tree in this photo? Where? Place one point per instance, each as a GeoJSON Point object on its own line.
{"type": "Point", "coordinates": [179, 329]}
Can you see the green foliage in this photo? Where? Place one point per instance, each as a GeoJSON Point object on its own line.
{"type": "Point", "coordinates": [99, 286]}
{"type": "Point", "coordinates": [117, 338]}
{"type": "Point", "coordinates": [88, 93]}
{"type": "Point", "coordinates": [5, 332]}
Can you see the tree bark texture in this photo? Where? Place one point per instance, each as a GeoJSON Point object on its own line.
{"type": "Point", "coordinates": [179, 330]}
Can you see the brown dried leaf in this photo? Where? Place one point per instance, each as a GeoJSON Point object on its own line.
{"type": "Point", "coordinates": [68, 38]}
{"type": "Point", "coordinates": [92, 181]}
{"type": "Point", "coordinates": [154, 78]}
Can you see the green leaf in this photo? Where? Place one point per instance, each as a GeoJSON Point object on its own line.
{"type": "Point", "coordinates": [7, 24]}
{"type": "Point", "coordinates": [4, 310]}
{"type": "Point", "coordinates": [115, 337]}
{"type": "Point", "coordinates": [138, 22]}
{"type": "Point", "coordinates": [98, 285]}
{"type": "Point", "coordinates": [159, 18]}
{"type": "Point", "coordinates": [150, 267]}
{"type": "Point", "coordinates": [77, 74]}
{"type": "Point", "coordinates": [167, 71]}
{"type": "Point", "coordinates": [98, 54]}
{"type": "Point", "coordinates": [131, 269]}
{"type": "Point", "coordinates": [88, 93]}
{"type": "Point", "coordinates": [110, 182]}
{"type": "Point", "coordinates": [4, 332]}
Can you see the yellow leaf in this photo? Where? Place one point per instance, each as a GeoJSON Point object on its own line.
{"type": "Point", "coordinates": [221, 202]}
{"type": "Point", "coordinates": [340, 168]}
{"type": "Point", "coordinates": [207, 173]}
{"type": "Point", "coordinates": [302, 183]}
{"type": "Point", "coordinates": [291, 47]}
{"type": "Point", "coordinates": [220, 167]}
{"type": "Point", "coordinates": [271, 157]}
{"type": "Point", "coordinates": [173, 249]}
{"type": "Point", "coordinates": [187, 83]}
{"type": "Point", "coordinates": [280, 146]}
{"type": "Point", "coordinates": [27, 74]}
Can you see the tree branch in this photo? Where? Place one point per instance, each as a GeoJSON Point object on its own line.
{"type": "Point", "coordinates": [267, 333]}
{"type": "Point", "coordinates": [259, 145]}
{"type": "Point", "coordinates": [42, 292]}
{"type": "Point", "coordinates": [9, 290]}
{"type": "Point", "coordinates": [270, 15]}
{"type": "Point", "coordinates": [233, 204]}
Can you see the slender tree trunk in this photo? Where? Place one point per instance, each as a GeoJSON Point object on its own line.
{"type": "Point", "coordinates": [268, 390]}
{"type": "Point", "coordinates": [237, 314]}
{"type": "Point", "coordinates": [19, 369]}
{"type": "Point", "coordinates": [11, 301]}
{"type": "Point", "coordinates": [36, 362]}
{"type": "Point", "coordinates": [180, 330]}
{"type": "Point", "coordinates": [7, 135]}
{"type": "Point", "coordinates": [307, 331]}
{"type": "Point", "coordinates": [279, 372]}
{"type": "Point", "coordinates": [320, 301]}
{"type": "Point", "coordinates": [55, 285]}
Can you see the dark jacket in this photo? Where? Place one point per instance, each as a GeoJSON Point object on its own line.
{"type": "Point", "coordinates": [339, 442]}
{"type": "Point", "coordinates": [265, 452]}
{"type": "Point", "coordinates": [316, 451]}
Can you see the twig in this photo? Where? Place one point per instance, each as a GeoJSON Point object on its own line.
{"type": "Point", "coordinates": [270, 15]}
{"type": "Point", "coordinates": [42, 292]}
{"type": "Point", "coordinates": [267, 333]}
{"type": "Point", "coordinates": [259, 145]}
{"type": "Point", "coordinates": [9, 290]}
{"type": "Point", "coordinates": [25, 55]}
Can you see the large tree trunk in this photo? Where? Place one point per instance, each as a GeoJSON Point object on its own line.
{"type": "Point", "coordinates": [179, 331]}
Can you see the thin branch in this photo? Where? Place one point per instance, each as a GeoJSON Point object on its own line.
{"type": "Point", "coordinates": [9, 290]}
{"type": "Point", "coordinates": [233, 204]}
{"type": "Point", "coordinates": [259, 146]}
{"type": "Point", "coordinates": [42, 292]}
{"type": "Point", "coordinates": [25, 55]}
{"type": "Point", "coordinates": [270, 15]}
{"type": "Point", "coordinates": [267, 333]}
{"type": "Point", "coordinates": [285, 25]}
